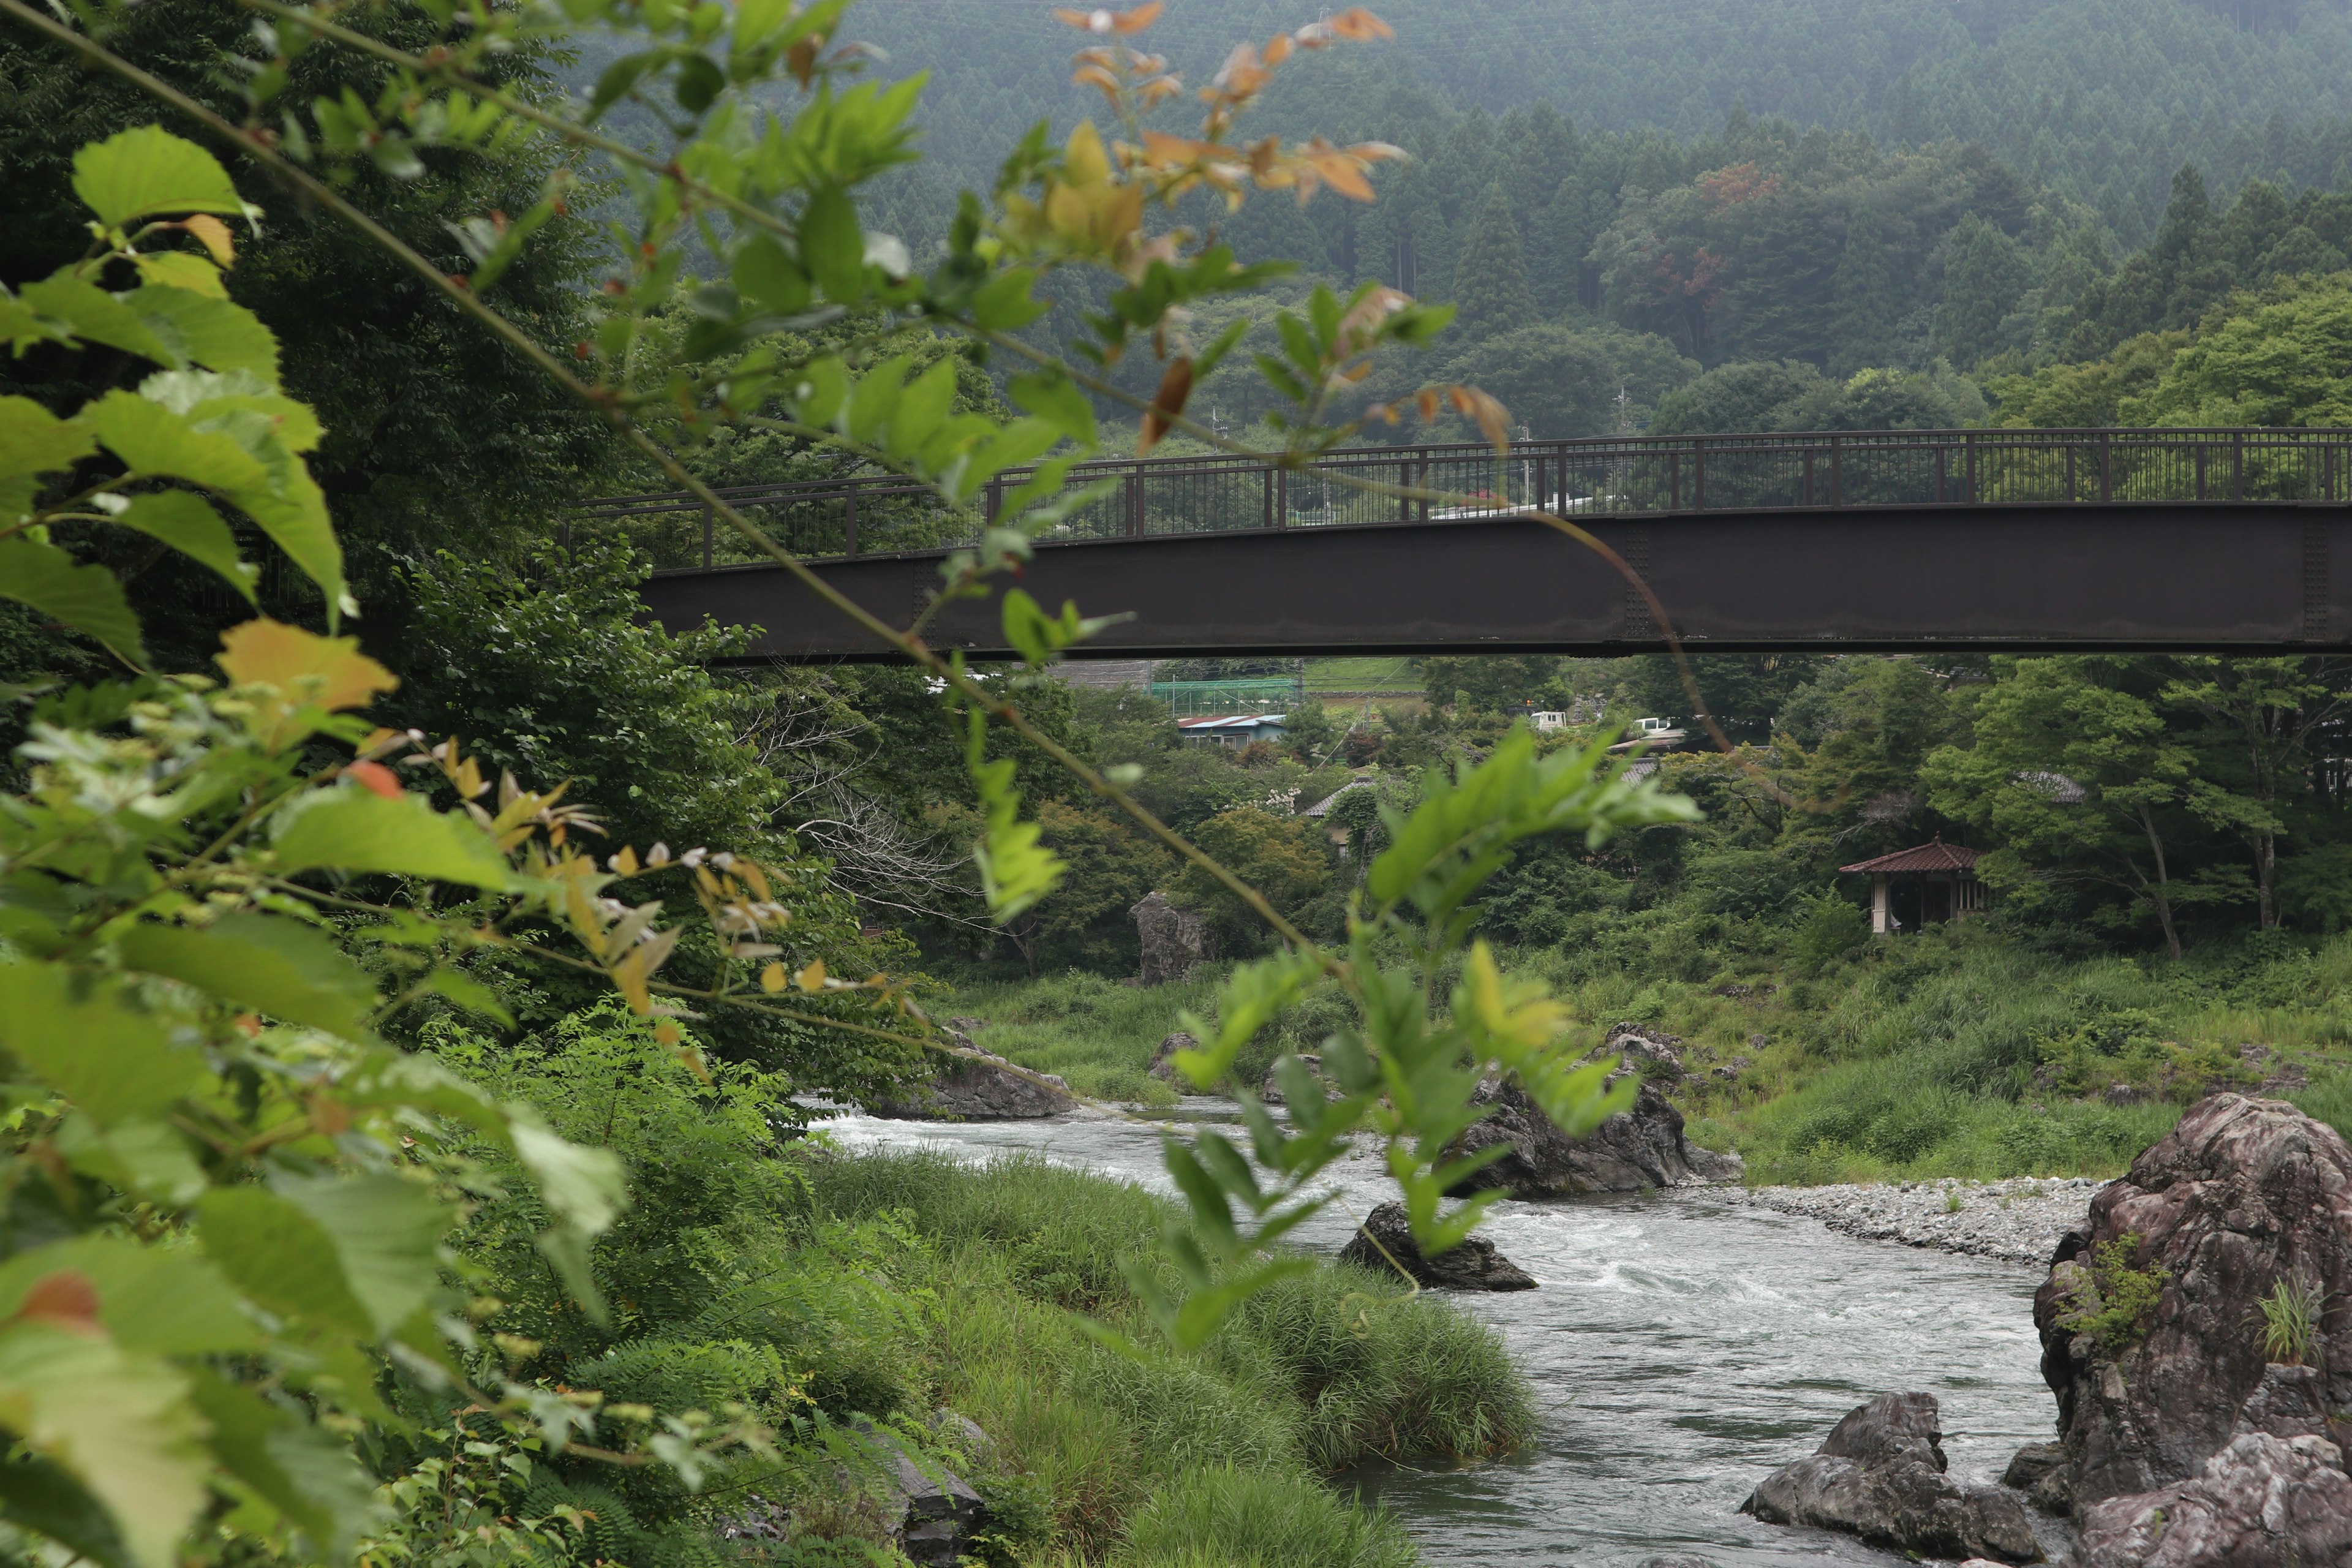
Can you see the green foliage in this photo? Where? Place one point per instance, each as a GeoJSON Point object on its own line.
{"type": "Point", "coordinates": [1490, 276]}
{"type": "Point", "coordinates": [1985, 274]}
{"type": "Point", "coordinates": [1285, 857]}
{"type": "Point", "coordinates": [555, 673]}
{"type": "Point", "coordinates": [2110, 1300]}
{"type": "Point", "coordinates": [2269, 364]}
{"type": "Point", "coordinates": [2075, 396]}
{"type": "Point", "coordinates": [1793, 396]}
{"type": "Point", "coordinates": [2291, 1313]}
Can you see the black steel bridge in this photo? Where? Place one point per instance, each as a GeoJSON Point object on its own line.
{"type": "Point", "coordinates": [2025, 541]}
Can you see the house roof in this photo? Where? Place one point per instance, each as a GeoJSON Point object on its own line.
{"type": "Point", "coordinates": [1323, 807]}
{"type": "Point", "coordinates": [1937, 855]}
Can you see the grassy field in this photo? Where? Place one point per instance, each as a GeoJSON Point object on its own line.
{"type": "Point", "coordinates": [1098, 1034]}
{"type": "Point", "coordinates": [1374, 673]}
{"type": "Point", "coordinates": [1948, 1055]}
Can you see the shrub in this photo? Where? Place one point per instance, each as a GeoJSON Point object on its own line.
{"type": "Point", "coordinates": [2110, 1300]}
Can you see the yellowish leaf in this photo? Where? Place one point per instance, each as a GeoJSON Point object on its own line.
{"type": "Point", "coordinates": [213, 236]}
{"type": "Point", "coordinates": [812, 978]}
{"type": "Point", "coordinates": [773, 978]}
{"type": "Point", "coordinates": [307, 673]}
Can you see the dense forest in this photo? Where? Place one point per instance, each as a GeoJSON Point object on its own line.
{"type": "Point", "coordinates": [2101, 100]}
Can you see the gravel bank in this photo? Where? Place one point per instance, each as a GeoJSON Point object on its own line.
{"type": "Point", "coordinates": [2018, 1221]}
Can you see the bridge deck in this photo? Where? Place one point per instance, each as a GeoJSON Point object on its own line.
{"type": "Point", "coordinates": [2030, 541]}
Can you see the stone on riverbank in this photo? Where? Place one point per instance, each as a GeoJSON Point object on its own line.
{"type": "Point", "coordinates": [1471, 1265]}
{"type": "Point", "coordinates": [1164, 1060]}
{"type": "Point", "coordinates": [2260, 1500]}
{"type": "Point", "coordinates": [1640, 1148]}
{"type": "Point", "coordinates": [1880, 1474]}
{"type": "Point", "coordinates": [2243, 1195]}
{"type": "Point", "coordinates": [979, 1087]}
{"type": "Point", "coordinates": [2020, 1221]}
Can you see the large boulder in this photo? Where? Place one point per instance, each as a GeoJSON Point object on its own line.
{"type": "Point", "coordinates": [2243, 1196]}
{"type": "Point", "coordinates": [1880, 1474]}
{"type": "Point", "coordinates": [979, 1087]}
{"type": "Point", "coordinates": [1173, 939]}
{"type": "Point", "coordinates": [2260, 1502]}
{"type": "Point", "coordinates": [1164, 1060]}
{"type": "Point", "coordinates": [1635, 1148]}
{"type": "Point", "coordinates": [1472, 1264]}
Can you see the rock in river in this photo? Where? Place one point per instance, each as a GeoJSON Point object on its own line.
{"type": "Point", "coordinates": [1472, 1264]}
{"type": "Point", "coordinates": [979, 1087]}
{"type": "Point", "coordinates": [1640, 1148]}
{"type": "Point", "coordinates": [1880, 1474]}
{"type": "Point", "coordinates": [2151, 1318]}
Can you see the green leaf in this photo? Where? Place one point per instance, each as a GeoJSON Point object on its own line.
{"type": "Point", "coordinates": [148, 1160]}
{"type": "Point", "coordinates": [270, 964]}
{"type": "Point", "coordinates": [470, 994]}
{"type": "Point", "coordinates": [120, 1422]}
{"type": "Point", "coordinates": [95, 316]}
{"type": "Point", "coordinates": [164, 1301]}
{"type": "Point", "coordinates": [386, 1232]}
{"type": "Point", "coordinates": [187, 522]}
{"type": "Point", "coordinates": [147, 171]}
{"type": "Point", "coordinates": [584, 1187]}
{"type": "Point", "coordinates": [86, 598]}
{"type": "Point", "coordinates": [39, 1496]}
{"type": "Point", "coordinates": [1248, 1001]}
{"type": "Point", "coordinates": [833, 249]}
{"type": "Point", "coordinates": [280, 1257]}
{"type": "Point", "coordinates": [216, 333]}
{"type": "Point", "coordinates": [1016, 869]}
{"type": "Point", "coordinates": [308, 1475]}
{"type": "Point", "coordinates": [1060, 402]}
{"type": "Point", "coordinates": [1039, 637]}
{"type": "Point", "coordinates": [236, 453]}
{"type": "Point", "coordinates": [74, 1032]}
{"type": "Point", "coordinates": [1003, 303]}
{"type": "Point", "coordinates": [357, 830]}
{"type": "Point", "coordinates": [35, 441]}
{"type": "Point", "coordinates": [616, 80]}
{"type": "Point", "coordinates": [765, 273]}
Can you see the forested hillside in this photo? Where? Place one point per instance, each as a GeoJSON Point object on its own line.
{"type": "Point", "coordinates": [2101, 99]}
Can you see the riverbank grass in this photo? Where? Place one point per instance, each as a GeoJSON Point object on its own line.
{"type": "Point", "coordinates": [1155, 1459]}
{"type": "Point", "coordinates": [1951, 1054]}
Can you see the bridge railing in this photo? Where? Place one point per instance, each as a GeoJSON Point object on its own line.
{"type": "Point", "coordinates": [871, 514]}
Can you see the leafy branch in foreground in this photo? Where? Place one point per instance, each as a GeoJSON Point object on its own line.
{"type": "Point", "coordinates": [291, 854]}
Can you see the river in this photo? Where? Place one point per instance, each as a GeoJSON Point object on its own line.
{"type": "Point", "coordinates": [1682, 1345]}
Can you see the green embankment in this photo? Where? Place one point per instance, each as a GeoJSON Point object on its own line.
{"type": "Point", "coordinates": [807, 1287]}
{"type": "Point", "coordinates": [1949, 1054]}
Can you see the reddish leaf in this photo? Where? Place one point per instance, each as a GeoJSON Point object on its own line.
{"type": "Point", "coordinates": [1175, 388]}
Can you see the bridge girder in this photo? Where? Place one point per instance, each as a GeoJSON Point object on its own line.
{"type": "Point", "coordinates": [2222, 576]}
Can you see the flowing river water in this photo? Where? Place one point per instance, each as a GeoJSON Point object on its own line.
{"type": "Point", "coordinates": [1682, 1346]}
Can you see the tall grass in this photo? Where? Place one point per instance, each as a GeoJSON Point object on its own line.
{"type": "Point", "coordinates": [1156, 1456]}
{"type": "Point", "coordinates": [1229, 1518]}
{"type": "Point", "coordinates": [1097, 1034]}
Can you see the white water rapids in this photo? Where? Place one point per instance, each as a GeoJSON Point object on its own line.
{"type": "Point", "coordinates": [1682, 1346]}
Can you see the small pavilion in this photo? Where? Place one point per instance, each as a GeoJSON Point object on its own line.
{"type": "Point", "coordinates": [1925, 885]}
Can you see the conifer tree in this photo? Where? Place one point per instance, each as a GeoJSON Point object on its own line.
{"type": "Point", "coordinates": [1490, 276]}
{"type": "Point", "coordinates": [1865, 300]}
{"type": "Point", "coordinates": [1984, 275]}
